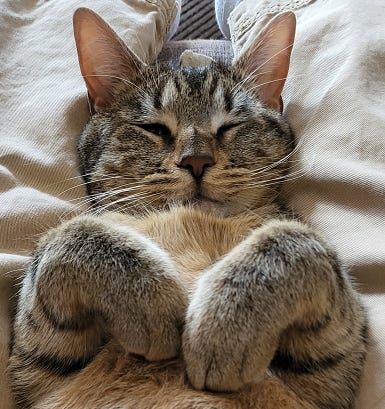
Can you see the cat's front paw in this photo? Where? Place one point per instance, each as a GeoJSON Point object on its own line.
{"type": "Point", "coordinates": [97, 273]}
{"type": "Point", "coordinates": [227, 342]}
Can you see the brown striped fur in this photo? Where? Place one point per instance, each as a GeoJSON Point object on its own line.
{"type": "Point", "coordinates": [188, 285]}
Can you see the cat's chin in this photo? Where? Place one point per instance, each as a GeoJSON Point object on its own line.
{"type": "Point", "coordinates": [206, 205]}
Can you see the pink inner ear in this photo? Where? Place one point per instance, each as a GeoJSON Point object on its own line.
{"type": "Point", "coordinates": [102, 57]}
{"type": "Point", "coordinates": [97, 74]}
{"type": "Point", "coordinates": [267, 61]}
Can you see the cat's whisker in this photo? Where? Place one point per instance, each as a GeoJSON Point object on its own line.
{"type": "Point", "coordinates": [271, 173]}
{"type": "Point", "coordinates": [126, 187]}
{"type": "Point", "coordinates": [265, 169]}
{"type": "Point", "coordinates": [258, 69]}
{"type": "Point", "coordinates": [73, 212]}
{"type": "Point", "coordinates": [141, 90]}
{"type": "Point", "coordinates": [62, 193]}
{"type": "Point", "coordinates": [84, 175]}
{"type": "Point", "coordinates": [93, 198]}
{"type": "Point", "coordinates": [284, 180]}
{"type": "Point", "coordinates": [127, 206]}
{"type": "Point", "coordinates": [274, 56]}
{"type": "Point", "coordinates": [122, 189]}
{"type": "Point", "coordinates": [300, 169]}
{"type": "Point", "coordinates": [265, 83]}
{"type": "Point", "coordinates": [247, 78]}
{"type": "Point", "coordinates": [110, 193]}
{"type": "Point", "coordinates": [304, 167]}
{"type": "Point", "coordinates": [144, 52]}
{"type": "Point", "coordinates": [126, 81]}
{"type": "Point", "coordinates": [136, 196]}
{"type": "Point", "coordinates": [274, 181]}
{"type": "Point", "coordinates": [79, 176]}
{"type": "Point", "coordinates": [90, 197]}
{"type": "Point", "coordinates": [16, 274]}
{"type": "Point", "coordinates": [86, 206]}
{"type": "Point", "coordinates": [251, 75]}
{"type": "Point", "coordinates": [252, 182]}
{"type": "Point", "coordinates": [89, 104]}
{"type": "Point", "coordinates": [250, 78]}
{"type": "Point", "coordinates": [83, 184]}
{"type": "Point", "coordinates": [82, 201]}
{"type": "Point", "coordinates": [280, 161]}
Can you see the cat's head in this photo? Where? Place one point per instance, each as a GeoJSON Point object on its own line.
{"type": "Point", "coordinates": [212, 137]}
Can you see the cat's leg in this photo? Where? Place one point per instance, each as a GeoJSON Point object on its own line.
{"type": "Point", "coordinates": [278, 299]}
{"type": "Point", "coordinates": [92, 280]}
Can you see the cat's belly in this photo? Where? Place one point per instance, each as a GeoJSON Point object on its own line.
{"type": "Point", "coordinates": [194, 239]}
{"type": "Point", "coordinates": [120, 381]}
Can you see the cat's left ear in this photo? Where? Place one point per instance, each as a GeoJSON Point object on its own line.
{"type": "Point", "coordinates": [266, 63]}
{"type": "Point", "coordinates": [104, 59]}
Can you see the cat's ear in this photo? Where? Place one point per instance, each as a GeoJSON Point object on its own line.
{"type": "Point", "coordinates": [266, 63]}
{"type": "Point", "coordinates": [104, 59]}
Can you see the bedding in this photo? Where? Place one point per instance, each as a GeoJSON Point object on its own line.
{"type": "Point", "coordinates": [334, 99]}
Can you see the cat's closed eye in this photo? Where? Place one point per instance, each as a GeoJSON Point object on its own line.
{"type": "Point", "coordinates": [157, 129]}
{"type": "Point", "coordinates": [226, 127]}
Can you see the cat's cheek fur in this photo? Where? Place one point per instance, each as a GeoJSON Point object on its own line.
{"type": "Point", "coordinates": [129, 152]}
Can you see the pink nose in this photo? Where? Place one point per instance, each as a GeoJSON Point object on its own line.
{"type": "Point", "coordinates": [196, 164]}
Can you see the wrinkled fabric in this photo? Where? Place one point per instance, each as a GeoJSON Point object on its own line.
{"type": "Point", "coordinates": [334, 99]}
{"type": "Point", "coordinates": [248, 17]}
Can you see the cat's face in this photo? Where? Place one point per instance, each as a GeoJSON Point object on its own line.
{"type": "Point", "coordinates": [198, 136]}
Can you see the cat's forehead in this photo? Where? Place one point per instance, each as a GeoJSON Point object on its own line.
{"type": "Point", "coordinates": [198, 92]}
{"type": "Point", "coordinates": [210, 81]}
{"type": "Point", "coordinates": [196, 84]}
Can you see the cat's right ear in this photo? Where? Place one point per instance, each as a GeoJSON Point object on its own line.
{"type": "Point", "coordinates": [104, 59]}
{"type": "Point", "coordinates": [266, 63]}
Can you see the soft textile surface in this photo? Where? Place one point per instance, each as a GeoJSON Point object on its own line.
{"type": "Point", "coordinates": [334, 99]}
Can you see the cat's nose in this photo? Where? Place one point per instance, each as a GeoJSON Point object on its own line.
{"type": "Point", "coordinates": [196, 164]}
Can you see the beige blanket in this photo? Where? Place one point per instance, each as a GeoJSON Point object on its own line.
{"type": "Point", "coordinates": [334, 98]}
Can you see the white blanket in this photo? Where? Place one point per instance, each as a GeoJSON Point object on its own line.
{"type": "Point", "coordinates": [334, 98]}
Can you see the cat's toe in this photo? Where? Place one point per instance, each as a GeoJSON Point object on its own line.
{"type": "Point", "coordinates": [216, 366]}
{"type": "Point", "coordinates": [221, 377]}
{"type": "Point", "coordinates": [154, 336]}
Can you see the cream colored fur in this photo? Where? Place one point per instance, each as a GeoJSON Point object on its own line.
{"type": "Point", "coordinates": [114, 380]}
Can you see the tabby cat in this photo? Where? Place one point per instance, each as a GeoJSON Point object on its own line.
{"type": "Point", "coordinates": [189, 278]}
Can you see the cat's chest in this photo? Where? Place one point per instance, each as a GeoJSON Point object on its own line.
{"type": "Point", "coordinates": [195, 240]}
